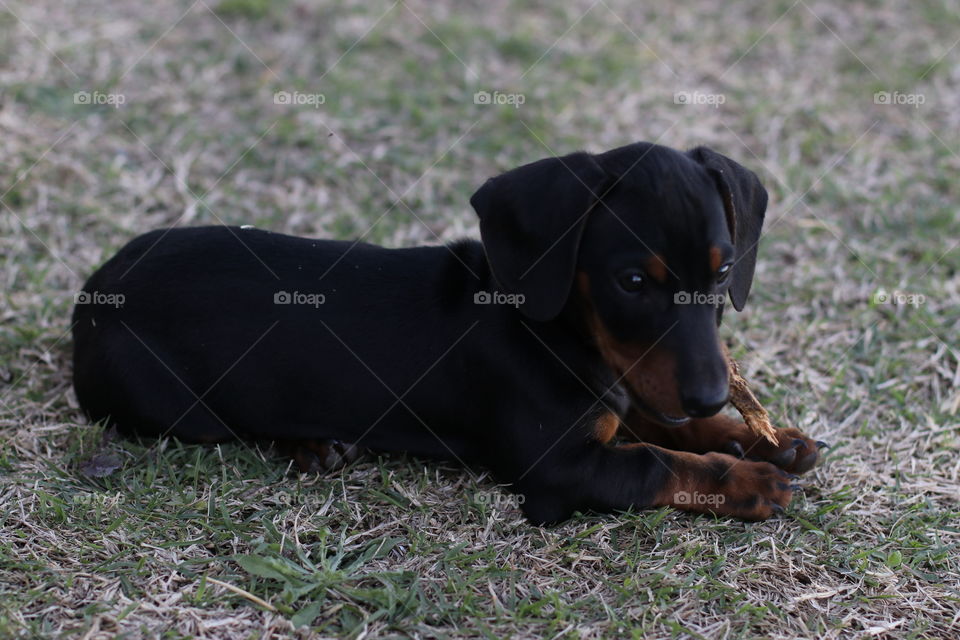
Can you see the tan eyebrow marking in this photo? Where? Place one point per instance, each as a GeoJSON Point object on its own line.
{"type": "Point", "coordinates": [657, 268]}
{"type": "Point", "coordinates": [715, 258]}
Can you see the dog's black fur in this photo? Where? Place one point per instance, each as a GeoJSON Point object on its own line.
{"type": "Point", "coordinates": [400, 354]}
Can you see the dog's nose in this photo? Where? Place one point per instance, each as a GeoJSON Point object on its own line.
{"type": "Point", "coordinates": [704, 405]}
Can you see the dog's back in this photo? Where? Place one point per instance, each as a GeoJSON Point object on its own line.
{"type": "Point", "coordinates": [221, 332]}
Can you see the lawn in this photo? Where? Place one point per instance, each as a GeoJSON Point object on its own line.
{"type": "Point", "coordinates": [346, 119]}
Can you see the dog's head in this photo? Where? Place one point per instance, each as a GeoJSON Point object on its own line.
{"type": "Point", "coordinates": [643, 243]}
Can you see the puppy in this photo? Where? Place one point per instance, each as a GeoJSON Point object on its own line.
{"type": "Point", "coordinates": [574, 352]}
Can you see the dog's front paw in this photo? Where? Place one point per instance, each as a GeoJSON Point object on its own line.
{"type": "Point", "coordinates": [723, 485]}
{"type": "Point", "coordinates": [755, 490]}
{"type": "Point", "coordinates": [794, 451]}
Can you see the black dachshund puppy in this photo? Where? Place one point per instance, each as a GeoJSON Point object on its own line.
{"type": "Point", "coordinates": [574, 352]}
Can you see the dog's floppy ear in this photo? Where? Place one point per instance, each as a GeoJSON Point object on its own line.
{"type": "Point", "coordinates": [745, 203]}
{"type": "Point", "coordinates": [531, 221]}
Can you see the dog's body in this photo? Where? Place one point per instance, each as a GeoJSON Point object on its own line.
{"type": "Point", "coordinates": [526, 354]}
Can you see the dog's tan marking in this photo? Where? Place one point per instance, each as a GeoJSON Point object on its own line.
{"type": "Point", "coordinates": [715, 259]}
{"type": "Point", "coordinates": [648, 370]}
{"type": "Point", "coordinates": [656, 266]}
{"type": "Point", "coordinates": [605, 428]}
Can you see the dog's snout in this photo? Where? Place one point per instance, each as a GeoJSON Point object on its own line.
{"type": "Point", "coordinates": [706, 403]}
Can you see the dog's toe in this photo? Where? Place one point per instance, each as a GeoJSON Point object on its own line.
{"type": "Point", "coordinates": [307, 461]}
{"type": "Point", "coordinates": [348, 452]}
{"type": "Point", "coordinates": [313, 456]}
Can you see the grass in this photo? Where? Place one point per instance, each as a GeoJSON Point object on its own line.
{"type": "Point", "coordinates": [228, 542]}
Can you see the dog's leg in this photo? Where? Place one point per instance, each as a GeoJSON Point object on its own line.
{"type": "Point", "coordinates": [608, 478]}
{"type": "Point", "coordinates": [794, 451]}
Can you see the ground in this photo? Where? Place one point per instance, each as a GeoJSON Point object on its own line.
{"type": "Point", "coordinates": [343, 119]}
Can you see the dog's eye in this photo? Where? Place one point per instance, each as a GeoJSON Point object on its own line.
{"type": "Point", "coordinates": [631, 280]}
{"type": "Point", "coordinates": [724, 271]}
